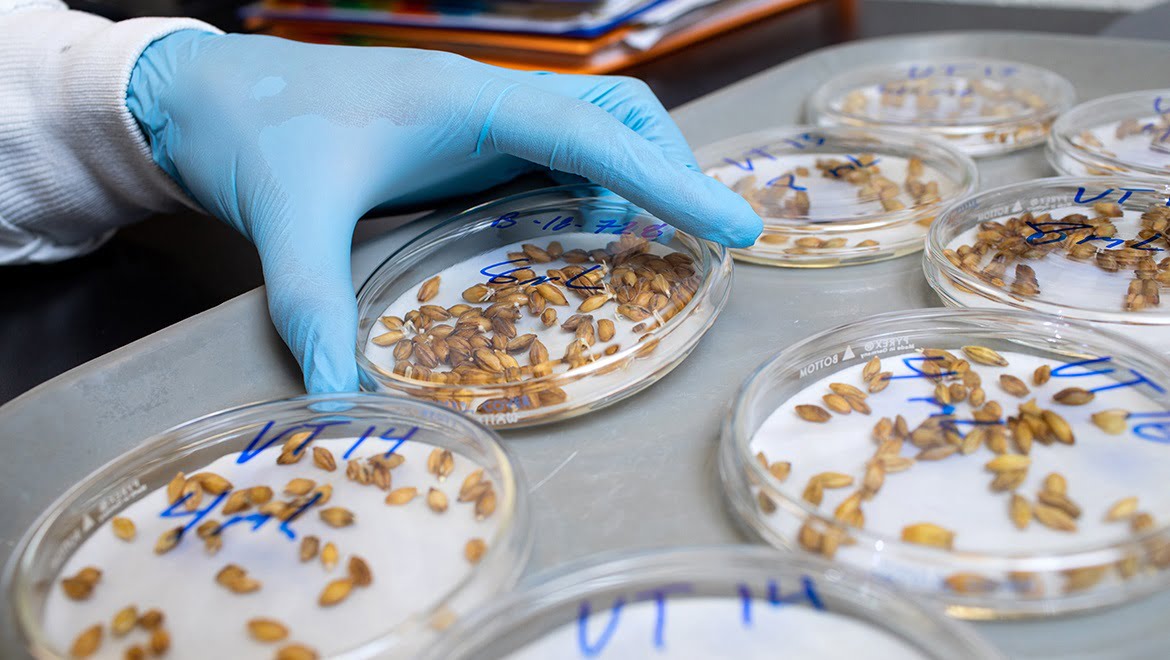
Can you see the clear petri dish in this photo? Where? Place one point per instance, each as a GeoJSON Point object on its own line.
{"type": "Point", "coordinates": [981, 106]}
{"type": "Point", "coordinates": [1125, 135]}
{"type": "Point", "coordinates": [729, 601]}
{"type": "Point", "coordinates": [243, 526]}
{"type": "Point", "coordinates": [538, 307]}
{"type": "Point", "coordinates": [1090, 249]}
{"type": "Point", "coordinates": [838, 196]}
{"type": "Point", "coordinates": [991, 490]}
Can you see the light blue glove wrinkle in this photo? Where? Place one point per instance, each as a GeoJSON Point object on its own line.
{"type": "Point", "coordinates": [291, 143]}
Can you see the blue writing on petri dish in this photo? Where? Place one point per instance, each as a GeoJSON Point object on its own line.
{"type": "Point", "coordinates": [774, 596]}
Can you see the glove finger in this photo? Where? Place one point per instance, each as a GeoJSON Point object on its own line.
{"type": "Point", "coordinates": [629, 100]}
{"type": "Point", "coordinates": [569, 135]}
{"type": "Point", "coordinates": [311, 300]}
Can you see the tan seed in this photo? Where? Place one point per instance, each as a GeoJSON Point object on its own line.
{"type": "Point", "coordinates": [175, 488]}
{"type": "Point", "coordinates": [1009, 463]}
{"type": "Point", "coordinates": [846, 390]}
{"type": "Point", "coordinates": [593, 302]}
{"type": "Point", "coordinates": [87, 643]}
{"type": "Point", "coordinates": [323, 459]}
{"type": "Point", "coordinates": [1122, 509]}
{"type": "Point", "coordinates": [123, 528]}
{"type": "Point", "coordinates": [765, 502]}
{"type": "Point", "coordinates": [474, 550]}
{"type": "Point", "coordinates": [1020, 511]}
{"type": "Point", "coordinates": [811, 413]}
{"type": "Point", "coordinates": [1112, 422]}
{"type": "Point", "coordinates": [1007, 481]}
{"type": "Point", "coordinates": [837, 404]}
{"type": "Point", "coordinates": [834, 480]}
{"type": "Point", "coordinates": [135, 652]}
{"type": "Point", "coordinates": [359, 572]}
{"type": "Point", "coordinates": [299, 486]}
{"type": "Point", "coordinates": [212, 483]}
{"type": "Point", "coordinates": [267, 630]}
{"type": "Point", "coordinates": [871, 369]}
{"type": "Point", "coordinates": [605, 330]}
{"type": "Point", "coordinates": [168, 540]}
{"type": "Point", "coordinates": [1061, 502]}
{"type": "Point", "coordinates": [1141, 522]}
{"type": "Point", "coordinates": [984, 355]}
{"type": "Point", "coordinates": [335, 592]}
{"type": "Point", "coordinates": [389, 338]}
{"type": "Point", "coordinates": [477, 293]}
{"type": "Point", "coordinates": [780, 470]}
{"type": "Point", "coordinates": [124, 621]}
{"type": "Point", "coordinates": [329, 556]}
{"type": "Point", "coordinates": [485, 506]}
{"type": "Point", "coordinates": [879, 382]}
{"type": "Point", "coordinates": [1042, 375]}
{"type": "Point", "coordinates": [336, 516]}
{"type": "Point", "coordinates": [551, 294]}
{"type": "Point", "coordinates": [1013, 386]}
{"type": "Point", "coordinates": [1058, 426]}
{"type": "Point", "coordinates": [160, 641]}
{"type": "Point", "coordinates": [1073, 396]}
{"type": "Point", "coordinates": [436, 500]}
{"type": "Point", "coordinates": [928, 534]}
{"type": "Point", "coordinates": [441, 463]}
{"type": "Point", "coordinates": [401, 495]}
{"type": "Point", "coordinates": [1053, 518]}
{"type": "Point", "coordinates": [296, 652]}
{"type": "Point", "coordinates": [259, 495]}
{"type": "Point", "coordinates": [429, 289]}
{"type": "Point", "coordinates": [309, 546]}
{"type": "Point", "coordinates": [970, 583]}
{"type": "Point", "coordinates": [151, 619]}
{"type": "Point", "coordinates": [814, 492]}
{"type": "Point", "coordinates": [1055, 483]}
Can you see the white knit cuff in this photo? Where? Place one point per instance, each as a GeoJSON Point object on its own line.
{"type": "Point", "coordinates": [94, 90]}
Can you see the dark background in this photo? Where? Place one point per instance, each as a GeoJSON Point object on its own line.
{"type": "Point", "coordinates": [170, 267]}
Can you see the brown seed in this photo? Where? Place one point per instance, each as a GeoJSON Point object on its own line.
{"type": "Point", "coordinates": [193, 491]}
{"type": "Point", "coordinates": [846, 390]}
{"type": "Point", "coordinates": [429, 289]}
{"type": "Point", "coordinates": [984, 355]}
{"type": "Point", "coordinates": [1058, 426]}
{"type": "Point", "coordinates": [1122, 509]}
{"type": "Point", "coordinates": [436, 500]}
{"type": "Point", "coordinates": [401, 495]}
{"type": "Point", "coordinates": [833, 480]}
{"type": "Point", "coordinates": [811, 413]}
{"type": "Point", "coordinates": [151, 619]}
{"type": "Point", "coordinates": [871, 369]}
{"type": "Point", "coordinates": [477, 293]}
{"type": "Point", "coordinates": [1042, 375]}
{"type": "Point", "coordinates": [474, 550]}
{"type": "Point", "coordinates": [485, 506]}
{"type": "Point", "coordinates": [1008, 463]}
{"type": "Point", "coordinates": [1141, 522]}
{"type": "Point", "coordinates": [124, 621]}
{"type": "Point", "coordinates": [236, 502]}
{"type": "Point", "coordinates": [296, 652]}
{"type": "Point", "coordinates": [1082, 578]}
{"type": "Point", "coordinates": [259, 494]}
{"type": "Point", "coordinates": [123, 528]}
{"type": "Point", "coordinates": [175, 488]}
{"type": "Point", "coordinates": [1013, 386]}
{"type": "Point", "coordinates": [329, 556]}
{"type": "Point", "coordinates": [309, 546]}
{"type": "Point", "coordinates": [359, 572]}
{"type": "Point", "coordinates": [336, 516]}
{"type": "Point", "coordinates": [135, 652]}
{"type": "Point", "coordinates": [87, 643]}
{"type": "Point", "coordinates": [879, 382]}
{"type": "Point", "coordinates": [1053, 518]}
{"type": "Point", "coordinates": [1073, 396]}
{"type": "Point", "coordinates": [765, 502]}
{"type": "Point", "coordinates": [441, 463]}
{"type": "Point", "coordinates": [335, 592]}
{"type": "Point", "coordinates": [593, 302]}
{"type": "Point", "coordinates": [389, 338]}
{"type": "Point", "coordinates": [551, 294]}
{"type": "Point", "coordinates": [1007, 481]}
{"type": "Point", "coordinates": [814, 492]}
{"type": "Point", "coordinates": [1112, 422]}
{"type": "Point", "coordinates": [928, 534]}
{"type": "Point", "coordinates": [299, 486]}
{"type": "Point", "coordinates": [548, 317]}
{"type": "Point", "coordinates": [267, 630]}
{"type": "Point", "coordinates": [780, 470]}
{"type": "Point", "coordinates": [168, 540]}
{"type": "Point", "coordinates": [160, 641]}
{"type": "Point", "coordinates": [970, 583]}
{"type": "Point", "coordinates": [323, 459]}
{"type": "Point", "coordinates": [1061, 502]}
{"type": "Point", "coordinates": [212, 483]}
{"type": "Point", "coordinates": [1020, 511]}
{"type": "Point", "coordinates": [605, 330]}
{"type": "Point", "coordinates": [837, 404]}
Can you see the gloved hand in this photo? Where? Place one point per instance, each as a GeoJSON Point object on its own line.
{"type": "Point", "coordinates": [291, 143]}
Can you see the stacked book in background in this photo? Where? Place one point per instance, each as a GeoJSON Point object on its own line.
{"type": "Point", "coordinates": [577, 36]}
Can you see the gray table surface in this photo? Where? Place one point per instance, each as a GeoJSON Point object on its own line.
{"type": "Point", "coordinates": [641, 473]}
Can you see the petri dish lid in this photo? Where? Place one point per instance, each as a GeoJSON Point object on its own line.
{"type": "Point", "coordinates": [1120, 135]}
{"type": "Point", "coordinates": [728, 601]}
{"type": "Point", "coordinates": [983, 106]}
{"type": "Point", "coordinates": [545, 305]}
{"type": "Point", "coordinates": [1082, 248]}
{"type": "Point", "coordinates": [420, 582]}
{"type": "Point", "coordinates": [917, 476]}
{"type": "Point", "coordinates": [838, 195]}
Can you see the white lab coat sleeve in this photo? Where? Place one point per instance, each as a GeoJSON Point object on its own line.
{"type": "Point", "coordinates": [74, 165]}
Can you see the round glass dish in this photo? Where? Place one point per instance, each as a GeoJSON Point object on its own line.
{"type": "Point", "coordinates": [838, 196]}
{"type": "Point", "coordinates": [419, 574]}
{"type": "Point", "coordinates": [726, 602]}
{"type": "Point", "coordinates": [538, 307]}
{"type": "Point", "coordinates": [940, 481]}
{"type": "Point", "coordinates": [1124, 135]}
{"type": "Point", "coordinates": [1091, 249]}
{"type": "Point", "coordinates": [980, 106]}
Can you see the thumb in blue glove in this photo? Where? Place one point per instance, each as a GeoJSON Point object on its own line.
{"type": "Point", "coordinates": [292, 143]}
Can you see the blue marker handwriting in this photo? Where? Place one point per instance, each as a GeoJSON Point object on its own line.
{"type": "Point", "coordinates": [802, 141]}
{"type": "Point", "coordinates": [506, 277]}
{"type": "Point", "coordinates": [651, 231]}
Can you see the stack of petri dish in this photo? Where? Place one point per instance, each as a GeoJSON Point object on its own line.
{"type": "Point", "coordinates": [983, 107]}
{"type": "Point", "coordinates": [838, 196]}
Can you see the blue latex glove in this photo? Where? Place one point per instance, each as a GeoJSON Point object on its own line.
{"type": "Point", "coordinates": [291, 143]}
